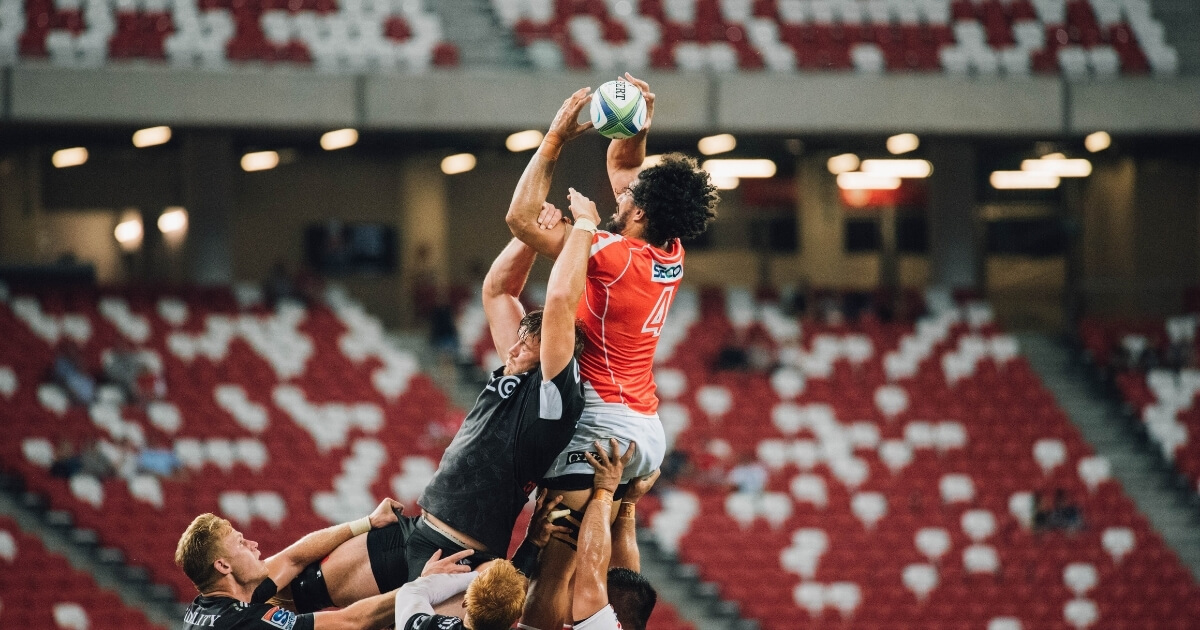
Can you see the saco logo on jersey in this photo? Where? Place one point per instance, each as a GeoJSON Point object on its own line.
{"type": "Point", "coordinates": [280, 618]}
{"type": "Point", "coordinates": [666, 273]}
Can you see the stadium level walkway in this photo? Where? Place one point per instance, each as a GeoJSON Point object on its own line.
{"type": "Point", "coordinates": [1135, 465]}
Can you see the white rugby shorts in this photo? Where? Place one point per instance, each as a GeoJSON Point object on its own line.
{"type": "Point", "coordinates": [603, 420]}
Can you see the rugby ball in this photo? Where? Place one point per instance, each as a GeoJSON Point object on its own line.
{"type": "Point", "coordinates": [618, 110]}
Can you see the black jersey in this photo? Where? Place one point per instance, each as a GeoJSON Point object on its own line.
{"type": "Point", "coordinates": [227, 613]}
{"type": "Point", "coordinates": [505, 446]}
{"type": "Point", "coordinates": [422, 621]}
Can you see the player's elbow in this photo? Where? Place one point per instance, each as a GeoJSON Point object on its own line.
{"type": "Point", "coordinates": [518, 223]}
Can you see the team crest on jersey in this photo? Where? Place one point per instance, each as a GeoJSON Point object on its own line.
{"type": "Point", "coordinates": [280, 618]}
{"type": "Point", "coordinates": [666, 273]}
{"type": "Point", "coordinates": [505, 385]}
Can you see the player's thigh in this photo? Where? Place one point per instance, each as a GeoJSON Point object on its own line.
{"type": "Point", "coordinates": [348, 574]}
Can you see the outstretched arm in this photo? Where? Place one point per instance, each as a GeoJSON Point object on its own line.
{"type": "Point", "coordinates": [287, 564]}
{"type": "Point", "coordinates": [566, 287]}
{"type": "Point", "coordinates": [366, 614]}
{"type": "Point", "coordinates": [502, 293]}
{"type": "Point", "coordinates": [421, 595]}
{"type": "Point", "coordinates": [625, 156]}
{"type": "Point", "coordinates": [534, 184]}
{"type": "Point", "coordinates": [595, 545]}
{"type": "Point", "coordinates": [625, 553]}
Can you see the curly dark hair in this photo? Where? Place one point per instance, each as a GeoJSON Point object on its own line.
{"type": "Point", "coordinates": [678, 198]}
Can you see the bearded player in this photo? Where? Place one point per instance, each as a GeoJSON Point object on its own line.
{"type": "Point", "coordinates": [634, 270]}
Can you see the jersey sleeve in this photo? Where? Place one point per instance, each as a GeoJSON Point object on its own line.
{"type": "Point", "coordinates": [265, 617]}
{"type": "Point", "coordinates": [265, 591]}
{"type": "Point", "coordinates": [562, 395]}
{"type": "Point", "coordinates": [422, 621]}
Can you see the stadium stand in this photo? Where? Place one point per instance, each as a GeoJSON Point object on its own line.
{"type": "Point", "coordinates": [1080, 38]}
{"type": "Point", "coordinates": [55, 595]}
{"type": "Point", "coordinates": [910, 475]}
{"type": "Point", "coordinates": [1152, 364]}
{"type": "Point", "coordinates": [353, 36]}
{"type": "Point", "coordinates": [1099, 38]}
{"type": "Point", "coordinates": [283, 421]}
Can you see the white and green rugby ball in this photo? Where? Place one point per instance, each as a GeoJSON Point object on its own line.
{"type": "Point", "coordinates": [618, 110]}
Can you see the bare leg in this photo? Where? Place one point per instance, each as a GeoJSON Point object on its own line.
{"type": "Point", "coordinates": [348, 573]}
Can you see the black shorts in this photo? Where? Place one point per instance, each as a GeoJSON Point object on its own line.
{"type": "Point", "coordinates": [425, 540]}
{"type": "Point", "coordinates": [309, 591]}
{"type": "Point", "coordinates": [386, 549]}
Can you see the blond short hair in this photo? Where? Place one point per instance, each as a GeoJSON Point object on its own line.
{"type": "Point", "coordinates": [199, 547]}
{"type": "Point", "coordinates": [496, 598]}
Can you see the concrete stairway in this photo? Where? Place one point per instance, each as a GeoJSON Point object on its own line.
{"type": "Point", "coordinates": [105, 565]}
{"type": "Point", "coordinates": [1136, 464]}
{"type": "Point", "coordinates": [482, 41]}
{"type": "Point", "coordinates": [1182, 21]}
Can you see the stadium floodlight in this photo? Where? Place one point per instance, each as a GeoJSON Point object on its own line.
{"type": "Point", "coordinates": [129, 233]}
{"type": "Point", "coordinates": [843, 163]}
{"type": "Point", "coordinates": [903, 143]}
{"type": "Point", "coordinates": [652, 160]}
{"type": "Point", "coordinates": [867, 181]}
{"type": "Point", "coordinates": [524, 140]}
{"type": "Point", "coordinates": [260, 161]}
{"type": "Point", "coordinates": [725, 183]}
{"type": "Point", "coordinates": [1097, 142]}
{"type": "Point", "coordinates": [151, 136]}
{"type": "Point", "coordinates": [64, 158]}
{"type": "Point", "coordinates": [725, 169]}
{"type": "Point", "coordinates": [1060, 167]}
{"type": "Point", "coordinates": [1023, 180]}
{"type": "Point", "coordinates": [458, 163]}
{"type": "Point", "coordinates": [712, 145]}
{"type": "Point", "coordinates": [898, 168]}
{"type": "Point", "coordinates": [173, 220]}
{"type": "Point", "coordinates": [339, 139]}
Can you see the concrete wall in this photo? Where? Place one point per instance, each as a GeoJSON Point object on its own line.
{"type": "Point", "coordinates": [457, 100]}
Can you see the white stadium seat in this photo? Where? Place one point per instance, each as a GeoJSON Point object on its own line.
{"type": "Point", "coordinates": [920, 579]}
{"type": "Point", "coordinates": [1081, 613]}
{"type": "Point", "coordinates": [932, 542]}
{"type": "Point", "coordinates": [1118, 542]}
{"type": "Point", "coordinates": [1080, 577]}
{"type": "Point", "coordinates": [1049, 453]}
{"type": "Point", "coordinates": [981, 559]}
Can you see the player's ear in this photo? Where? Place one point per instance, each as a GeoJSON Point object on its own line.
{"type": "Point", "coordinates": [637, 214]}
{"type": "Point", "coordinates": [222, 566]}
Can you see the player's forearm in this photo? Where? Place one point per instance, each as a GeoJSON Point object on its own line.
{"type": "Point", "coordinates": [595, 539]}
{"type": "Point", "coordinates": [531, 192]}
{"type": "Point", "coordinates": [421, 595]}
{"type": "Point", "coordinates": [569, 274]}
{"type": "Point", "coordinates": [366, 614]}
{"type": "Point", "coordinates": [627, 153]}
{"type": "Point", "coordinates": [625, 552]}
{"type": "Point", "coordinates": [509, 271]}
{"type": "Point", "coordinates": [315, 546]}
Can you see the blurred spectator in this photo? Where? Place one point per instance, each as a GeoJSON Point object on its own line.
{"type": "Point", "coordinates": [131, 370]}
{"type": "Point", "coordinates": [443, 332]}
{"type": "Point", "coordinates": [674, 465]}
{"type": "Point", "coordinates": [749, 475]}
{"type": "Point", "coordinates": [67, 462]}
{"type": "Point", "coordinates": [732, 358]}
{"type": "Point", "coordinates": [69, 372]}
{"type": "Point", "coordinates": [99, 459]}
{"type": "Point", "coordinates": [158, 460]}
{"type": "Point", "coordinates": [1057, 513]}
{"type": "Point", "coordinates": [279, 285]}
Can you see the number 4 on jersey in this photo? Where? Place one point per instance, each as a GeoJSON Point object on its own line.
{"type": "Point", "coordinates": [658, 315]}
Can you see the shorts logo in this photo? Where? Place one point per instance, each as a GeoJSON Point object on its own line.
{"type": "Point", "coordinates": [576, 457]}
{"type": "Point", "coordinates": [448, 623]}
{"type": "Point", "coordinates": [666, 273]}
{"type": "Point", "coordinates": [280, 618]}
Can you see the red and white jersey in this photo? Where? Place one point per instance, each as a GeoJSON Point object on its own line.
{"type": "Point", "coordinates": [630, 287]}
